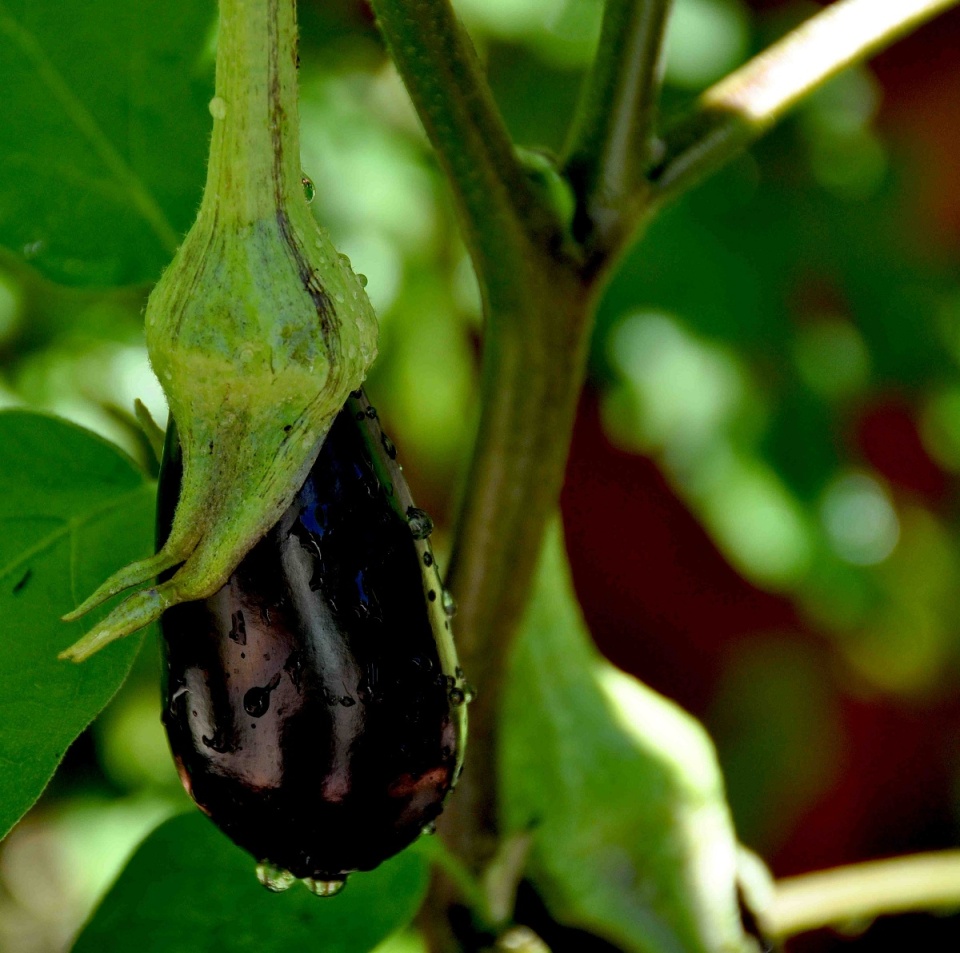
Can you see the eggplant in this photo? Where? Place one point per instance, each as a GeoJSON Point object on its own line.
{"type": "Point", "coordinates": [313, 705]}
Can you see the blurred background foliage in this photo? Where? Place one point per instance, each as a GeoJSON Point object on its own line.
{"type": "Point", "coordinates": [761, 502]}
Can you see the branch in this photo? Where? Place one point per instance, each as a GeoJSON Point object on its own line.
{"type": "Point", "coordinates": [860, 892]}
{"type": "Point", "coordinates": [499, 208]}
{"type": "Point", "coordinates": [740, 108]}
{"type": "Point", "coordinates": [537, 312]}
{"type": "Point", "coordinates": [610, 142]}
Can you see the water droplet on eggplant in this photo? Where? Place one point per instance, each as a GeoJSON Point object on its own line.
{"type": "Point", "coordinates": [324, 888]}
{"type": "Point", "coordinates": [274, 878]}
{"type": "Point", "coordinates": [420, 523]}
{"type": "Point", "coordinates": [317, 745]}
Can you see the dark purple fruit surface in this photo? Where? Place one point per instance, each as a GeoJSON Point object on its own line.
{"type": "Point", "coordinates": [313, 705]}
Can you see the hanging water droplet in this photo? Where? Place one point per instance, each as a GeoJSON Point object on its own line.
{"type": "Point", "coordinates": [363, 280]}
{"type": "Point", "coordinates": [217, 107]}
{"type": "Point", "coordinates": [388, 446]}
{"type": "Point", "coordinates": [429, 829]}
{"type": "Point", "coordinates": [274, 878]}
{"type": "Point", "coordinates": [449, 603]}
{"type": "Point", "coordinates": [309, 189]}
{"type": "Point", "coordinates": [421, 526]}
{"type": "Point", "coordinates": [324, 888]}
{"type": "Point", "coordinates": [456, 697]}
{"type": "Point", "coordinates": [469, 692]}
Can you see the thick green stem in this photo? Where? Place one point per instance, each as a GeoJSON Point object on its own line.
{"type": "Point", "coordinates": [861, 892]}
{"type": "Point", "coordinates": [739, 109]}
{"type": "Point", "coordinates": [254, 165]}
{"type": "Point", "coordinates": [536, 314]}
{"type": "Point", "coordinates": [532, 374]}
{"type": "Point", "coordinates": [609, 150]}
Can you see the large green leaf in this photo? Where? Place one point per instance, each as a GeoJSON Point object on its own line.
{"type": "Point", "coordinates": [621, 789]}
{"type": "Point", "coordinates": [72, 509]}
{"type": "Point", "coordinates": [103, 133]}
{"type": "Point", "coordinates": [189, 889]}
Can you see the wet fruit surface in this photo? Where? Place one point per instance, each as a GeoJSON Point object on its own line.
{"type": "Point", "coordinates": [313, 705]}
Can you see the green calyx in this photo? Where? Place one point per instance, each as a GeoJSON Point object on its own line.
{"type": "Point", "coordinates": [257, 331]}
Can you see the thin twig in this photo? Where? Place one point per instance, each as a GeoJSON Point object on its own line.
{"type": "Point", "coordinates": [861, 892]}
{"type": "Point", "coordinates": [738, 109]}
{"type": "Point", "coordinates": [498, 206]}
{"type": "Point", "coordinates": [609, 148]}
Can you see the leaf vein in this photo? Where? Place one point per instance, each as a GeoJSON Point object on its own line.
{"type": "Point", "coordinates": [67, 528]}
{"type": "Point", "coordinates": [87, 125]}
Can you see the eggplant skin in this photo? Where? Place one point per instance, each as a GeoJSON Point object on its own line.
{"type": "Point", "coordinates": [313, 705]}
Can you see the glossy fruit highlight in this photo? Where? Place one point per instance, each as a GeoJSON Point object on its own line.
{"type": "Point", "coordinates": [314, 705]}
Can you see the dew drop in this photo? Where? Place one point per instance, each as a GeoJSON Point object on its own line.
{"type": "Point", "coordinates": [429, 829]}
{"type": "Point", "coordinates": [428, 559]}
{"type": "Point", "coordinates": [218, 107]}
{"type": "Point", "coordinates": [238, 628]}
{"type": "Point", "coordinates": [309, 189]}
{"type": "Point", "coordinates": [219, 742]}
{"type": "Point", "coordinates": [388, 446]}
{"type": "Point", "coordinates": [449, 603]}
{"type": "Point", "coordinates": [274, 878]}
{"type": "Point", "coordinates": [324, 888]}
{"type": "Point", "coordinates": [363, 280]}
{"type": "Point", "coordinates": [256, 702]}
{"type": "Point", "coordinates": [456, 697]}
{"type": "Point", "coordinates": [421, 526]}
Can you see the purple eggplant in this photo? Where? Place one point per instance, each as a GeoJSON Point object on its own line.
{"type": "Point", "coordinates": [313, 705]}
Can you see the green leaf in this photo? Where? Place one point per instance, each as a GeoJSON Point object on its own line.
{"type": "Point", "coordinates": [621, 789]}
{"type": "Point", "coordinates": [103, 133]}
{"type": "Point", "coordinates": [72, 509]}
{"type": "Point", "coordinates": [189, 889]}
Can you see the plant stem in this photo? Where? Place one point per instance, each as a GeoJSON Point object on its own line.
{"type": "Point", "coordinates": [738, 109]}
{"type": "Point", "coordinates": [862, 892]}
{"type": "Point", "coordinates": [466, 884]}
{"type": "Point", "coordinates": [254, 165]}
{"type": "Point", "coordinates": [537, 308]}
{"type": "Point", "coordinates": [498, 207]}
{"type": "Point", "coordinates": [608, 152]}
